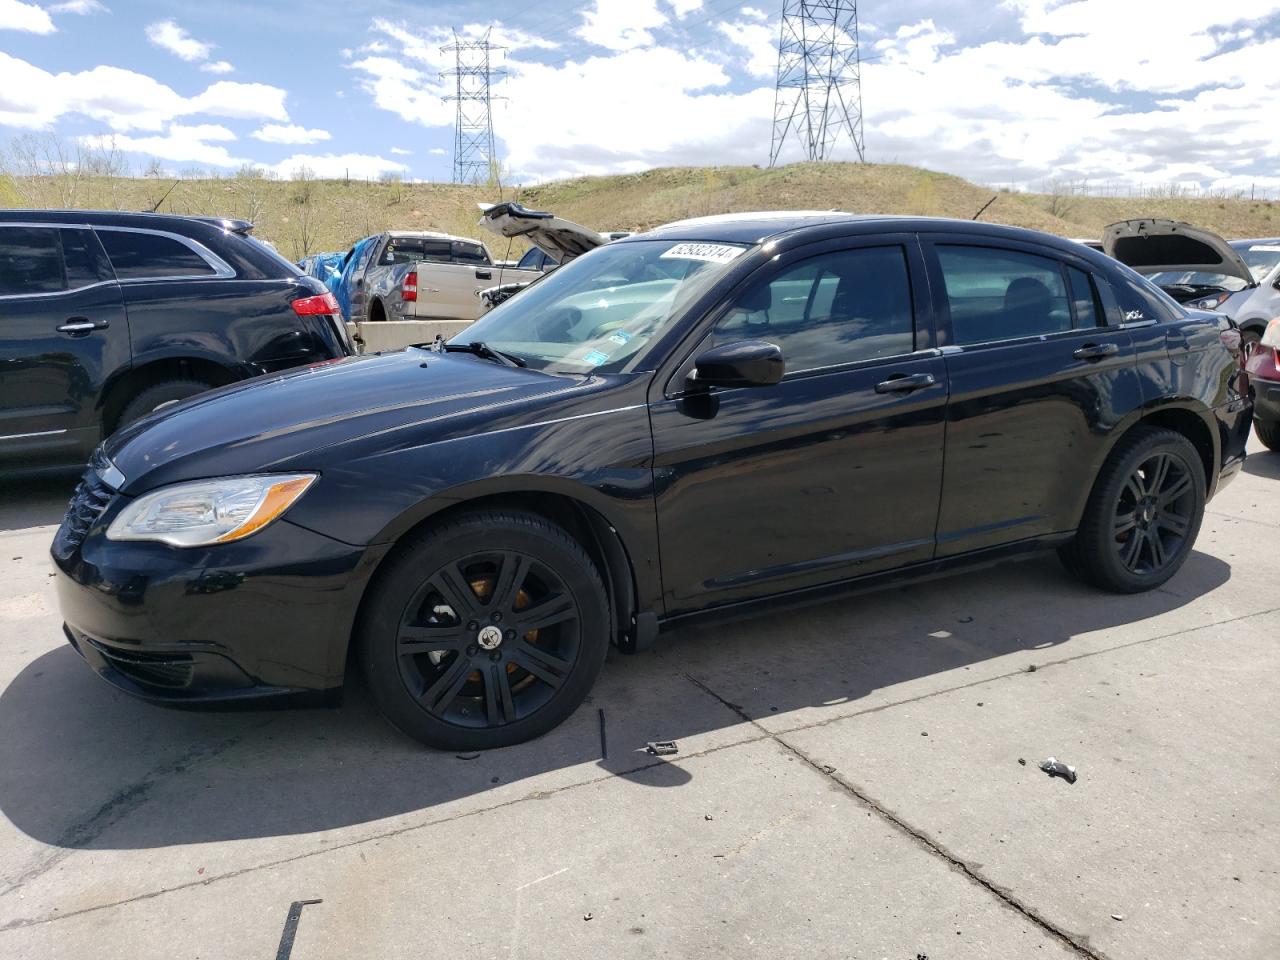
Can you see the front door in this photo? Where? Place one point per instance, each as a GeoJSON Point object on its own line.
{"type": "Point", "coordinates": [832, 473]}
{"type": "Point", "coordinates": [63, 332]}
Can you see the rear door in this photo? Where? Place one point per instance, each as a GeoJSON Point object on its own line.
{"type": "Point", "coordinates": [833, 473]}
{"type": "Point", "coordinates": [451, 290]}
{"type": "Point", "coordinates": [63, 333]}
{"type": "Point", "coordinates": [1040, 370]}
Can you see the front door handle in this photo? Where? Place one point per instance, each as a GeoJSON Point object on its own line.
{"type": "Point", "coordinates": [1096, 351]}
{"type": "Point", "coordinates": [905, 384]}
{"type": "Point", "coordinates": [82, 325]}
{"type": "Point", "coordinates": [484, 274]}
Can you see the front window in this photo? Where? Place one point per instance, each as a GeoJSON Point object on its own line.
{"type": "Point", "coordinates": [601, 310]}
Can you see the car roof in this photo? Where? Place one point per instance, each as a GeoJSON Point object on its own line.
{"type": "Point", "coordinates": [757, 227]}
{"type": "Point", "coordinates": [122, 218]}
{"type": "Point", "coordinates": [1256, 241]}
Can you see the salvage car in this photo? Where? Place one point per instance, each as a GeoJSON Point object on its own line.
{"type": "Point", "coordinates": [554, 241]}
{"type": "Point", "coordinates": [721, 415]}
{"type": "Point", "coordinates": [1240, 278]}
{"type": "Point", "coordinates": [107, 316]}
{"type": "Point", "coordinates": [416, 275]}
{"type": "Point", "coordinates": [1263, 368]}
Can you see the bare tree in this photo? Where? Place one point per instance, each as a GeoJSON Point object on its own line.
{"type": "Point", "coordinates": [304, 196]}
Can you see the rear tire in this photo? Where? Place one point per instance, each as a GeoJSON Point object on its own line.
{"type": "Point", "coordinates": [1143, 515]}
{"type": "Point", "coordinates": [1268, 433]}
{"type": "Point", "coordinates": [484, 631]}
{"type": "Point", "coordinates": [158, 395]}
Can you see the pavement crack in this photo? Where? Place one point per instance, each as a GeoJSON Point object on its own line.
{"type": "Point", "coordinates": [1077, 944]}
{"type": "Point", "coordinates": [89, 827]}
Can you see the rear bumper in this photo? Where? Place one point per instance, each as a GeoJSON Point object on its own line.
{"type": "Point", "coordinates": [1266, 399]}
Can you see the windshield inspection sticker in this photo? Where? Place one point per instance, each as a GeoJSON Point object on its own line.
{"type": "Point", "coordinates": [620, 337]}
{"type": "Point", "coordinates": [595, 358]}
{"type": "Point", "coordinates": [709, 252]}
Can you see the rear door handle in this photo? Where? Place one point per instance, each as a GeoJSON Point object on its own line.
{"type": "Point", "coordinates": [82, 325]}
{"type": "Point", "coordinates": [484, 274]}
{"type": "Point", "coordinates": [905, 384]}
{"type": "Point", "coordinates": [1096, 351]}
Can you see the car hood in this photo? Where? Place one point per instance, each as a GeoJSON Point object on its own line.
{"type": "Point", "coordinates": [561, 239]}
{"type": "Point", "coordinates": [307, 418]}
{"type": "Point", "coordinates": [1156, 246]}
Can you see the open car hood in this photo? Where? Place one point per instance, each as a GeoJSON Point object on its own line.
{"type": "Point", "coordinates": [1155, 246]}
{"type": "Point", "coordinates": [561, 239]}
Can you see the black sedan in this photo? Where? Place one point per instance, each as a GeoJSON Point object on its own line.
{"type": "Point", "coordinates": [723, 412]}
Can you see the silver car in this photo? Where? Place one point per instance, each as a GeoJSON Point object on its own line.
{"type": "Point", "coordinates": [1199, 269]}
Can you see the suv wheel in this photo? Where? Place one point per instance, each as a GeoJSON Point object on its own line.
{"type": "Point", "coordinates": [1268, 433]}
{"type": "Point", "coordinates": [159, 395]}
{"type": "Point", "coordinates": [485, 631]}
{"type": "Point", "coordinates": [1143, 515]}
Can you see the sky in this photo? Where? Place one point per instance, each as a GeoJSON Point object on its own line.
{"type": "Point", "coordinates": [1009, 92]}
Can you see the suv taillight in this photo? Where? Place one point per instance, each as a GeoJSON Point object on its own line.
{"type": "Point", "coordinates": [311, 306]}
{"type": "Point", "coordinates": [409, 287]}
{"type": "Point", "coordinates": [1271, 338]}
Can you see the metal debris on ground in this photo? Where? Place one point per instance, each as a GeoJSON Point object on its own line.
{"type": "Point", "coordinates": [708, 817]}
{"type": "Point", "coordinates": [662, 748]}
{"type": "Point", "coordinates": [1031, 669]}
{"type": "Point", "coordinates": [587, 916]}
{"type": "Point", "coordinates": [467, 756]}
{"type": "Point", "coordinates": [1021, 762]}
{"type": "Point", "coordinates": [1056, 768]}
{"type": "Point", "coordinates": [1117, 916]}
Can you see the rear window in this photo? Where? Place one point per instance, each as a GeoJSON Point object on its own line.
{"type": "Point", "coordinates": [140, 256]}
{"type": "Point", "coordinates": [470, 253]}
{"type": "Point", "coordinates": [1002, 294]}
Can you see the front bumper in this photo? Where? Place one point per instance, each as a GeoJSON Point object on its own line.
{"type": "Point", "coordinates": [268, 616]}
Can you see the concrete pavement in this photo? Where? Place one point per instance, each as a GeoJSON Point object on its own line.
{"type": "Point", "coordinates": [847, 785]}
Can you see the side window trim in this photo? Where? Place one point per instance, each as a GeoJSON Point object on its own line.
{"type": "Point", "coordinates": [221, 269]}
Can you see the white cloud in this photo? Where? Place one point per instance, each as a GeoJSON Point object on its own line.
{"type": "Point", "coordinates": [621, 24]}
{"type": "Point", "coordinates": [754, 13]}
{"type": "Point", "coordinates": [414, 95]}
{"type": "Point", "coordinates": [167, 35]}
{"type": "Point", "coordinates": [760, 43]}
{"type": "Point", "coordinates": [682, 8]}
{"type": "Point", "coordinates": [333, 165]}
{"type": "Point", "coordinates": [184, 144]}
{"type": "Point", "coordinates": [25, 17]}
{"type": "Point", "coordinates": [279, 133]}
{"type": "Point", "coordinates": [81, 8]}
{"type": "Point", "coordinates": [401, 152]}
{"type": "Point", "coordinates": [217, 66]}
{"type": "Point", "coordinates": [436, 152]}
{"type": "Point", "coordinates": [124, 100]}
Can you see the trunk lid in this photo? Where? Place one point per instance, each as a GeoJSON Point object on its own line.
{"type": "Point", "coordinates": [556, 237]}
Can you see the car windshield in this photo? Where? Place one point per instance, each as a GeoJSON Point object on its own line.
{"type": "Point", "coordinates": [1196, 278]}
{"type": "Point", "coordinates": [1261, 258]}
{"type": "Point", "coordinates": [599, 311]}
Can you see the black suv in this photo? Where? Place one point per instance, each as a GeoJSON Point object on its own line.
{"type": "Point", "coordinates": [719, 413]}
{"type": "Point", "coordinates": [106, 316]}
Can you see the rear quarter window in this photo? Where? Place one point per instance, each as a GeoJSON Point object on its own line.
{"type": "Point", "coordinates": [142, 256]}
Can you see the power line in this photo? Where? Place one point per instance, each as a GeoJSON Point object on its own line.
{"type": "Point", "coordinates": [819, 87]}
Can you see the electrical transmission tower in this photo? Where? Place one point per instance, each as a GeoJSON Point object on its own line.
{"type": "Point", "coordinates": [474, 158]}
{"type": "Point", "coordinates": [819, 90]}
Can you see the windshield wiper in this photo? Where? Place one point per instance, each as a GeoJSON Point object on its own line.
{"type": "Point", "coordinates": [481, 349]}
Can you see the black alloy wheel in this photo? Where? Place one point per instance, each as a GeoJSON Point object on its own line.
{"type": "Point", "coordinates": [484, 631]}
{"type": "Point", "coordinates": [1153, 513]}
{"type": "Point", "coordinates": [1143, 515]}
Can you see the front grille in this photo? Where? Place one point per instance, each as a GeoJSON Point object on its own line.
{"type": "Point", "coordinates": [149, 669]}
{"type": "Point", "coordinates": [87, 504]}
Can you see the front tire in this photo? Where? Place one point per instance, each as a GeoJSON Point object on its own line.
{"type": "Point", "coordinates": [1143, 515]}
{"type": "Point", "coordinates": [484, 631]}
{"type": "Point", "coordinates": [158, 395]}
{"type": "Point", "coordinates": [1268, 433]}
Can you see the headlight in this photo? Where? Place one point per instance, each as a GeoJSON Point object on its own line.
{"type": "Point", "coordinates": [1212, 302]}
{"type": "Point", "coordinates": [206, 512]}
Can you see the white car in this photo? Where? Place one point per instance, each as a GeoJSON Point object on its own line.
{"type": "Point", "coordinates": [1199, 269]}
{"type": "Point", "coordinates": [555, 241]}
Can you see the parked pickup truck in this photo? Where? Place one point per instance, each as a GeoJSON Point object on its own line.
{"type": "Point", "coordinates": [417, 275]}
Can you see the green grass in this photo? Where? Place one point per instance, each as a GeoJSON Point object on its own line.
{"type": "Point", "coordinates": [329, 214]}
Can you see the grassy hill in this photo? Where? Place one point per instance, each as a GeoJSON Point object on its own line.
{"type": "Point", "coordinates": [314, 215]}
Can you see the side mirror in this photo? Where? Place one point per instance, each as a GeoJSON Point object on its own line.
{"type": "Point", "coordinates": [746, 363]}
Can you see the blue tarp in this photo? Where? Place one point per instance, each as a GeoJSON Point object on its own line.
{"type": "Point", "coordinates": [341, 282]}
{"type": "Point", "coordinates": [322, 265]}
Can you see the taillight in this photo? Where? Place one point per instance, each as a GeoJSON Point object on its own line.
{"type": "Point", "coordinates": [320, 303]}
{"type": "Point", "coordinates": [409, 287]}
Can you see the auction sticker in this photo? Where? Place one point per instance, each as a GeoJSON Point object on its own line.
{"type": "Point", "coordinates": [709, 252]}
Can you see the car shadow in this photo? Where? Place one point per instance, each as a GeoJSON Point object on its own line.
{"type": "Point", "coordinates": [1264, 464]}
{"type": "Point", "coordinates": [84, 766]}
{"type": "Point", "coordinates": [35, 502]}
